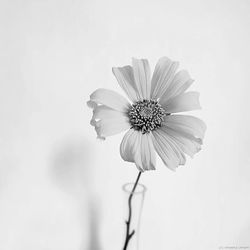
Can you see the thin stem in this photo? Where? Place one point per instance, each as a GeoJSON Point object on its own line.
{"type": "Point", "coordinates": [128, 233]}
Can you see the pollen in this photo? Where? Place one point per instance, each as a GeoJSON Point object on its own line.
{"type": "Point", "coordinates": [146, 115]}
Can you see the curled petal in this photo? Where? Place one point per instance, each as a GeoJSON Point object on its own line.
{"type": "Point", "coordinates": [104, 112]}
{"type": "Point", "coordinates": [186, 124]}
{"type": "Point", "coordinates": [125, 78]}
{"type": "Point", "coordinates": [142, 77]}
{"type": "Point", "coordinates": [184, 102]}
{"type": "Point", "coordinates": [138, 148]}
{"type": "Point", "coordinates": [111, 126]}
{"type": "Point", "coordinates": [108, 98]}
{"type": "Point", "coordinates": [162, 76]}
{"type": "Point", "coordinates": [108, 121]}
{"type": "Point", "coordinates": [181, 82]}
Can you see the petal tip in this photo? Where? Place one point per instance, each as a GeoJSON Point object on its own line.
{"type": "Point", "coordinates": [91, 104]}
{"type": "Point", "coordinates": [101, 138]}
{"type": "Point", "coordinates": [92, 122]}
{"type": "Point", "coordinates": [173, 169]}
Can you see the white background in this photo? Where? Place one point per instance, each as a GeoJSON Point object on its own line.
{"type": "Point", "coordinates": [57, 181]}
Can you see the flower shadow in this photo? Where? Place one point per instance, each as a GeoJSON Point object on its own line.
{"type": "Point", "coordinates": [72, 173]}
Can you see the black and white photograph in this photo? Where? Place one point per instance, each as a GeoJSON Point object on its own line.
{"type": "Point", "coordinates": [124, 125]}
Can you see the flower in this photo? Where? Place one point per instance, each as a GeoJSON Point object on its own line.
{"type": "Point", "coordinates": [150, 115]}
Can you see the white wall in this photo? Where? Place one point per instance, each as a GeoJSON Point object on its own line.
{"type": "Point", "coordinates": [56, 179]}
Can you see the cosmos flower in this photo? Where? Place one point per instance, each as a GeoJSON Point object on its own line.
{"type": "Point", "coordinates": [150, 114]}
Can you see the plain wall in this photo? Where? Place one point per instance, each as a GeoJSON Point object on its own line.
{"type": "Point", "coordinates": [60, 187]}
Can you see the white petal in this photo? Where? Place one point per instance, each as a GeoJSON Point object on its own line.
{"type": "Point", "coordinates": [108, 98]}
{"type": "Point", "coordinates": [92, 104]}
{"type": "Point", "coordinates": [104, 112]}
{"type": "Point", "coordinates": [147, 152]}
{"type": "Point", "coordinates": [138, 148]}
{"type": "Point", "coordinates": [181, 82]}
{"type": "Point", "coordinates": [186, 124]}
{"type": "Point", "coordinates": [142, 77]}
{"type": "Point", "coordinates": [125, 78]}
{"type": "Point", "coordinates": [163, 76]}
{"type": "Point", "coordinates": [188, 144]}
{"type": "Point", "coordinates": [127, 146]}
{"type": "Point", "coordinates": [165, 150]}
{"type": "Point", "coordinates": [184, 102]}
{"type": "Point", "coordinates": [110, 126]}
{"type": "Point", "coordinates": [175, 147]}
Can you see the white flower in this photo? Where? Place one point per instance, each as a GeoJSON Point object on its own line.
{"type": "Point", "coordinates": [148, 116]}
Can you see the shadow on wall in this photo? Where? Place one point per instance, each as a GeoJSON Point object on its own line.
{"type": "Point", "coordinates": [72, 171]}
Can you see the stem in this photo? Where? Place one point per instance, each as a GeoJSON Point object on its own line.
{"type": "Point", "coordinates": [128, 233]}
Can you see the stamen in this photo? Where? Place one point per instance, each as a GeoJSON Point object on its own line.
{"type": "Point", "coordinates": [146, 115]}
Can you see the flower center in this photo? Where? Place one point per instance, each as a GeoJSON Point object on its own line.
{"type": "Point", "coordinates": [146, 115]}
